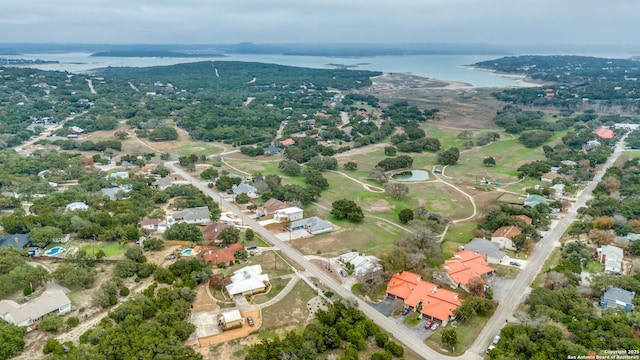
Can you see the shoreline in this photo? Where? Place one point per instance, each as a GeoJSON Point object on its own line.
{"type": "Point", "coordinates": [521, 79]}
{"type": "Point", "coordinates": [421, 81]}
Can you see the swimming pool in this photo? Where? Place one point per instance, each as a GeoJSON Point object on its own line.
{"type": "Point", "coordinates": [54, 251]}
{"type": "Point", "coordinates": [187, 252]}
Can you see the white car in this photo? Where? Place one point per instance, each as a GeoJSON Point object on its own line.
{"type": "Point", "coordinates": [491, 347]}
{"type": "Point", "coordinates": [496, 339]}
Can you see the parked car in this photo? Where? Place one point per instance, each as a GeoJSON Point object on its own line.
{"type": "Point", "coordinates": [496, 339]}
{"type": "Point", "coordinates": [343, 273]}
{"type": "Point", "coordinates": [405, 311]}
{"type": "Point", "coordinates": [514, 263]}
{"type": "Point", "coordinates": [429, 324]}
{"type": "Point", "coordinates": [250, 321]}
{"type": "Point", "coordinates": [434, 326]}
{"type": "Point", "coordinates": [491, 347]}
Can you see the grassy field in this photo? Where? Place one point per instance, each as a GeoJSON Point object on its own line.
{"type": "Point", "coordinates": [467, 333]}
{"type": "Point", "coordinates": [111, 249]}
{"type": "Point", "coordinates": [458, 234]}
{"type": "Point", "coordinates": [552, 260]}
{"type": "Point", "coordinates": [271, 263]}
{"type": "Point", "coordinates": [277, 285]}
{"type": "Point", "coordinates": [290, 310]}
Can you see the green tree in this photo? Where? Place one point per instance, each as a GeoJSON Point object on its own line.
{"type": "Point", "coordinates": [135, 253]}
{"type": "Point", "coordinates": [449, 336]}
{"type": "Point", "coordinates": [390, 151]}
{"type": "Point", "coordinates": [449, 156]}
{"type": "Point", "coordinates": [249, 234]}
{"type": "Point", "coordinates": [51, 323]}
{"type": "Point", "coordinates": [229, 235]}
{"type": "Point", "coordinates": [11, 339]}
{"type": "Point", "coordinates": [242, 198]}
{"type": "Point", "coordinates": [351, 166]}
{"type": "Point", "coordinates": [347, 209]}
{"type": "Point", "coordinates": [405, 215]}
{"type": "Point", "coordinates": [184, 231]}
{"type": "Point", "coordinates": [41, 236]}
{"type": "Point", "coordinates": [289, 167]}
{"type": "Point", "coordinates": [489, 161]}
{"type": "Point", "coordinates": [153, 244]}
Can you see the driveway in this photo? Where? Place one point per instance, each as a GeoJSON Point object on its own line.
{"type": "Point", "coordinates": [386, 306]}
{"type": "Point", "coordinates": [501, 287]}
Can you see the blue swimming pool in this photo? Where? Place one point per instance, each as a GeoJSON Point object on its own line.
{"type": "Point", "coordinates": [187, 251]}
{"type": "Point", "coordinates": [54, 251]}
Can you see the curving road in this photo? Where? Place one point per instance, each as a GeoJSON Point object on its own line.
{"type": "Point", "coordinates": [504, 310]}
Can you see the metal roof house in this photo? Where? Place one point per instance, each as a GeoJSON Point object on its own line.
{"type": "Point", "coordinates": [488, 249]}
{"type": "Point", "coordinates": [197, 215]}
{"type": "Point", "coordinates": [18, 241]}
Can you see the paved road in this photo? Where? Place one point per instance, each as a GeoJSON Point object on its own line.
{"type": "Point", "coordinates": [542, 251]}
{"type": "Point", "coordinates": [504, 310]}
{"type": "Point", "coordinates": [387, 324]}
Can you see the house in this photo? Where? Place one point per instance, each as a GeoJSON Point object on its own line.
{"type": "Point", "coordinates": [197, 215]}
{"type": "Point", "coordinates": [362, 264]}
{"type": "Point", "coordinates": [287, 142]}
{"type": "Point", "coordinates": [603, 133]}
{"type": "Point", "coordinates": [115, 193]}
{"type": "Point", "coordinates": [527, 220]}
{"type": "Point", "coordinates": [18, 241]}
{"type": "Point", "coordinates": [118, 175]}
{"type": "Point", "coordinates": [549, 177]}
{"type": "Point", "coordinates": [314, 225]}
{"type": "Point", "coordinates": [435, 303]}
{"type": "Point", "coordinates": [244, 188]}
{"type": "Point", "coordinates": [164, 182]}
{"type": "Point", "coordinates": [271, 150]}
{"type": "Point", "coordinates": [568, 163]}
{"type": "Point", "coordinates": [272, 205]}
{"type": "Point", "coordinates": [533, 200]}
{"type": "Point", "coordinates": [558, 190]}
{"type": "Point", "coordinates": [248, 281]}
{"type": "Point", "coordinates": [150, 225]}
{"type": "Point", "coordinates": [77, 130]}
{"type": "Point", "coordinates": [489, 250]}
{"type": "Point", "coordinates": [77, 206]}
{"type": "Point", "coordinates": [230, 320]}
{"type": "Point", "coordinates": [288, 214]}
{"type": "Point", "coordinates": [464, 266]}
{"type": "Point", "coordinates": [591, 144]}
{"type": "Point", "coordinates": [614, 297]}
{"type": "Point", "coordinates": [504, 236]}
{"type": "Point", "coordinates": [611, 257]}
{"type": "Point", "coordinates": [29, 313]}
{"type": "Point", "coordinates": [147, 169]}
{"type": "Point", "coordinates": [223, 256]}
{"type": "Point", "coordinates": [211, 232]}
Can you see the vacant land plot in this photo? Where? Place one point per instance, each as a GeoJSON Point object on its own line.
{"type": "Point", "coordinates": [291, 311]}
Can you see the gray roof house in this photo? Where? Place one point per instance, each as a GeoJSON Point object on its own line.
{"type": "Point", "coordinates": [614, 296]}
{"type": "Point", "coordinates": [164, 182]}
{"type": "Point", "coordinates": [198, 215]}
{"type": "Point", "coordinates": [28, 314]}
{"type": "Point", "coordinates": [611, 258]}
{"type": "Point", "coordinates": [112, 193]}
{"type": "Point", "coordinates": [314, 225]}
{"type": "Point", "coordinates": [18, 241]}
{"type": "Point", "coordinates": [244, 188]}
{"type": "Point", "coordinates": [488, 249]}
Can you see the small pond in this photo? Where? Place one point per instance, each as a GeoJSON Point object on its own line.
{"type": "Point", "coordinates": [412, 175]}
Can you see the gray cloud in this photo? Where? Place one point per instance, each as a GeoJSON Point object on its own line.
{"type": "Point", "coordinates": [282, 21]}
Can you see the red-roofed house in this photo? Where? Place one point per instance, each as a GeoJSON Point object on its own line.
{"type": "Point", "coordinates": [223, 256]}
{"type": "Point", "coordinates": [527, 220]}
{"type": "Point", "coordinates": [464, 266]}
{"type": "Point", "coordinates": [504, 236]}
{"type": "Point", "coordinates": [548, 177]}
{"type": "Point", "coordinates": [287, 142]}
{"type": "Point", "coordinates": [434, 303]}
{"type": "Point", "coordinates": [603, 133]}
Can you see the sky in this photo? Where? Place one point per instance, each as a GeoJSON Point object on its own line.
{"type": "Point", "coordinates": [500, 22]}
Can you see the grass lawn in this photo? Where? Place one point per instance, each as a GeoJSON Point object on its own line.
{"type": "Point", "coordinates": [376, 295]}
{"type": "Point", "coordinates": [467, 333]}
{"type": "Point", "coordinates": [412, 319]}
{"type": "Point", "coordinates": [111, 249]}
{"type": "Point", "coordinates": [458, 234]}
{"type": "Point", "coordinates": [595, 267]}
{"type": "Point", "coordinates": [290, 310]}
{"type": "Point", "coordinates": [504, 271]}
{"type": "Point", "coordinates": [272, 264]}
{"type": "Point", "coordinates": [197, 148]}
{"type": "Point", "coordinates": [277, 284]}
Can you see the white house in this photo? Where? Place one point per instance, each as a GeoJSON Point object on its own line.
{"type": "Point", "coordinates": [28, 314]}
{"type": "Point", "coordinates": [288, 214]}
{"type": "Point", "coordinates": [248, 281]}
{"type": "Point", "coordinates": [77, 206]}
{"type": "Point", "coordinates": [611, 258]}
{"type": "Point", "coordinates": [198, 215]}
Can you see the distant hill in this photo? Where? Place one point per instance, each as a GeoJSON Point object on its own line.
{"type": "Point", "coordinates": [152, 53]}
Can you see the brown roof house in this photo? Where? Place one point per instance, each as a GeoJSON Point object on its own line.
{"type": "Point", "coordinates": [211, 232]}
{"type": "Point", "coordinates": [223, 256]}
{"type": "Point", "coordinates": [504, 236]}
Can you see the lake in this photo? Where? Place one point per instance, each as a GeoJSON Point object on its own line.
{"type": "Point", "coordinates": [443, 67]}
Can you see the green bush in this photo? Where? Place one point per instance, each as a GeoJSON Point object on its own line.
{"type": "Point", "coordinates": [72, 322]}
{"type": "Point", "coordinates": [124, 291]}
